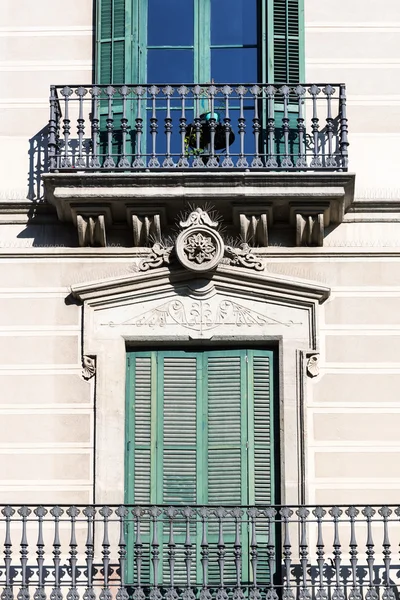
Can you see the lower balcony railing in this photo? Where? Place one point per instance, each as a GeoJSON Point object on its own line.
{"type": "Point", "coordinates": [177, 552]}
{"type": "Point", "coordinates": [270, 127]}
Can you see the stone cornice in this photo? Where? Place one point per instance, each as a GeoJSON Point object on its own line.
{"type": "Point", "coordinates": [116, 289]}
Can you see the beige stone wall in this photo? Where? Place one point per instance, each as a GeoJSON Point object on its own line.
{"type": "Point", "coordinates": [352, 407]}
{"type": "Point", "coordinates": [358, 42]}
{"type": "Point", "coordinates": [41, 43]}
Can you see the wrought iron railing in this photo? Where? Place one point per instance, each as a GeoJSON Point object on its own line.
{"type": "Point", "coordinates": [136, 127]}
{"type": "Point", "coordinates": [225, 553]}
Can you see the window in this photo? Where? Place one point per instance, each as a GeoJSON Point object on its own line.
{"type": "Point", "coordinates": [185, 41]}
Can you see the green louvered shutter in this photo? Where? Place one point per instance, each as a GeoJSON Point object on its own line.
{"type": "Point", "coordinates": [188, 415]}
{"type": "Point", "coordinates": [287, 40]}
{"type": "Point", "coordinates": [110, 40]}
{"type": "Point", "coordinates": [286, 62]}
{"type": "Point", "coordinates": [111, 68]}
{"type": "Point", "coordinates": [139, 409]}
{"type": "Point", "coordinates": [261, 434]}
{"type": "Point", "coordinates": [177, 448]}
{"type": "Point", "coordinates": [226, 456]}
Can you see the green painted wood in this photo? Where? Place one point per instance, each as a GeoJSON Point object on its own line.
{"type": "Point", "coordinates": [111, 41]}
{"type": "Point", "coordinates": [285, 26]}
{"type": "Point", "coordinates": [187, 414]}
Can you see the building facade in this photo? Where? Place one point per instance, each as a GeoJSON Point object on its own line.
{"type": "Point", "coordinates": [199, 290]}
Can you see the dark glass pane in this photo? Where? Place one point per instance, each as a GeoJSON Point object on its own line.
{"type": "Point", "coordinates": [170, 66]}
{"type": "Point", "coordinates": [170, 23]}
{"type": "Point", "coordinates": [233, 22]}
{"type": "Point", "coordinates": [234, 65]}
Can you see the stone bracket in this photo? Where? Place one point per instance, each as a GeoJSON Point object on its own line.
{"type": "Point", "coordinates": [146, 224]}
{"type": "Point", "coordinates": [91, 223]}
{"type": "Point", "coordinates": [253, 221]}
{"type": "Point", "coordinates": [310, 222]}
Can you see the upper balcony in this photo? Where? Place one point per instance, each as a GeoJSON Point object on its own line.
{"type": "Point", "coordinates": [282, 149]}
{"type": "Point", "coordinates": [241, 127]}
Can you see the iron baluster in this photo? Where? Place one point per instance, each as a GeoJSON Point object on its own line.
{"type": "Point", "coordinates": [187, 513]}
{"type": "Point", "coordinates": [270, 513]}
{"type": "Point", "coordinates": [212, 122]}
{"type": "Point", "coordinates": [237, 514]}
{"type": "Point", "coordinates": [40, 594]}
{"type": "Point", "coordinates": [122, 512]}
{"type": "Point", "coordinates": [7, 593]}
{"type": "Point", "coordinates": [153, 162]}
{"type": "Point", "coordinates": [316, 162]}
{"type": "Point", "coordinates": [197, 161]}
{"type": "Point", "coordinates": [123, 161]}
{"type": "Point", "coordinates": [301, 129]}
{"type": "Point", "coordinates": [56, 593]}
{"type": "Point", "coordinates": [242, 162]}
{"type": "Point", "coordinates": [168, 161]}
{"type": "Point", "coordinates": [336, 513]}
{"type": "Point", "coordinates": [253, 514]}
{"type": "Point", "coordinates": [286, 161]}
{"type": "Point", "coordinates": [221, 513]}
{"type": "Point", "coordinates": [227, 163]}
{"type": "Point", "coordinates": [171, 513]}
{"type": "Point", "coordinates": [89, 513]}
{"type": "Point", "coordinates": [343, 142]}
{"type": "Point", "coordinates": [23, 594]}
{"type": "Point", "coordinates": [138, 593]}
{"type": "Point", "coordinates": [286, 514]}
{"type": "Point", "coordinates": [205, 593]}
{"type": "Point", "coordinates": [303, 514]}
{"type": "Point", "coordinates": [321, 593]}
{"type": "Point", "coordinates": [352, 512]}
{"type": "Point", "coordinates": [94, 161]}
{"type": "Point", "coordinates": [330, 160]}
{"type": "Point", "coordinates": [155, 593]}
{"type": "Point", "coordinates": [105, 593]}
{"type": "Point", "coordinates": [109, 162]}
{"type": "Point", "coordinates": [66, 162]}
{"type": "Point", "coordinates": [73, 594]}
{"type": "Point", "coordinates": [256, 162]}
{"type": "Point", "coordinates": [80, 161]}
{"type": "Point", "coordinates": [139, 163]}
{"type": "Point", "coordinates": [183, 162]}
{"type": "Point", "coordinates": [385, 512]}
{"type": "Point", "coordinates": [368, 513]}
{"type": "Point", "coordinates": [52, 140]}
{"type": "Point", "coordinates": [271, 157]}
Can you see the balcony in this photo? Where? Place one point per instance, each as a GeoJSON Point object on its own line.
{"type": "Point", "coordinates": [178, 552]}
{"type": "Point", "coordinates": [131, 155]}
{"type": "Point", "coordinates": [239, 127]}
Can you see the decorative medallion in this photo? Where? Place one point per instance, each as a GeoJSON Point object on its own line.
{"type": "Point", "coordinates": [199, 248]}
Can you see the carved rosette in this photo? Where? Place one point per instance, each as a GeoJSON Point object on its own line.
{"type": "Point", "coordinates": [199, 248]}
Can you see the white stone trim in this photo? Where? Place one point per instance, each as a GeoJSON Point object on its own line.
{"type": "Point", "coordinates": [276, 311]}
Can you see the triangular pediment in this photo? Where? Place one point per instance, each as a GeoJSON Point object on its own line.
{"type": "Point", "coordinates": [227, 302]}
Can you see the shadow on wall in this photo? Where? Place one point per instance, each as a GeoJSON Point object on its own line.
{"type": "Point", "coordinates": [38, 155]}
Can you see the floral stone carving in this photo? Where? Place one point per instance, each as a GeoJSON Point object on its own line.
{"type": "Point", "coordinates": [199, 248]}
